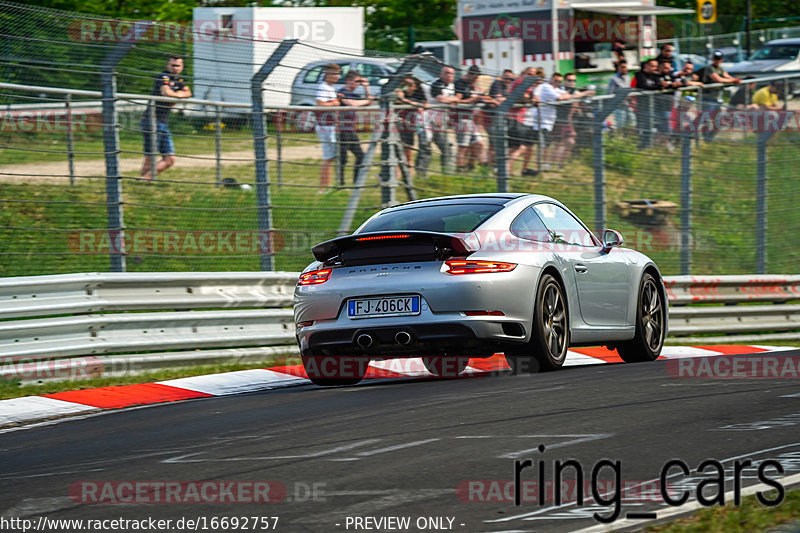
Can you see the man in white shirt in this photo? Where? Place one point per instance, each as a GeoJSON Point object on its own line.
{"type": "Point", "coordinates": [326, 123]}
{"type": "Point", "coordinates": [542, 118]}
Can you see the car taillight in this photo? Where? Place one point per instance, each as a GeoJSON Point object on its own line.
{"type": "Point", "coordinates": [478, 267]}
{"type": "Point", "coordinates": [315, 277]}
{"type": "Point", "coordinates": [484, 313]}
{"type": "Point", "coordinates": [382, 237]}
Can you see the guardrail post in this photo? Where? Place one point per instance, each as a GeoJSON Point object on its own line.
{"type": "Point", "coordinates": [218, 143]}
{"type": "Point", "coordinates": [70, 139]}
{"type": "Point", "coordinates": [108, 81]}
{"type": "Point", "coordinates": [686, 202]}
{"type": "Point", "coordinates": [761, 202]}
{"type": "Point", "coordinates": [264, 210]}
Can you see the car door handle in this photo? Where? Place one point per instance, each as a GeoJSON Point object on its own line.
{"type": "Point", "coordinates": [581, 269]}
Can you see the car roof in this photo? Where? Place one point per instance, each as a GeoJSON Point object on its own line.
{"type": "Point", "coordinates": [783, 41]}
{"type": "Point", "coordinates": [481, 198]}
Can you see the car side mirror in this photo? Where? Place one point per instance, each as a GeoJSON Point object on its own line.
{"type": "Point", "coordinates": [611, 239]}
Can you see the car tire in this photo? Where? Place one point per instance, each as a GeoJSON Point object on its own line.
{"type": "Point", "coordinates": [547, 349]}
{"type": "Point", "coordinates": [329, 371]}
{"type": "Point", "coordinates": [445, 366]}
{"type": "Point", "coordinates": [651, 323]}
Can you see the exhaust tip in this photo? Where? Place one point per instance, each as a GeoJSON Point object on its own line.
{"type": "Point", "coordinates": [364, 340]}
{"type": "Point", "coordinates": [402, 337]}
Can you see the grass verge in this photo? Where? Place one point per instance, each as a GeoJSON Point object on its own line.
{"type": "Point", "coordinates": [750, 517]}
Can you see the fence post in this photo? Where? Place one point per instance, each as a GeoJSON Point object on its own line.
{"type": "Point", "coordinates": [761, 202]}
{"type": "Point", "coordinates": [686, 202]}
{"type": "Point", "coordinates": [218, 143]}
{"type": "Point", "coordinates": [108, 82]}
{"type": "Point", "coordinates": [598, 162]}
{"type": "Point", "coordinates": [264, 211]}
{"type": "Point", "coordinates": [279, 125]}
{"type": "Point", "coordinates": [500, 128]}
{"type": "Point", "coordinates": [70, 140]}
{"type": "Point", "coordinates": [602, 110]}
{"type": "Point", "coordinates": [502, 111]}
{"type": "Point", "coordinates": [388, 159]}
{"type": "Point", "coordinates": [153, 144]}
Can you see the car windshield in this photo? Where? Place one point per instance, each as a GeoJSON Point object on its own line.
{"type": "Point", "coordinates": [776, 51]}
{"type": "Point", "coordinates": [448, 218]}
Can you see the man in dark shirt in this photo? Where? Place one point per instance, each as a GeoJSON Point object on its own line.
{"type": "Point", "coordinates": [348, 138]}
{"type": "Point", "coordinates": [470, 147]}
{"type": "Point", "coordinates": [168, 83]}
{"type": "Point", "coordinates": [647, 79]}
{"type": "Point", "coordinates": [668, 54]}
{"type": "Point", "coordinates": [498, 92]}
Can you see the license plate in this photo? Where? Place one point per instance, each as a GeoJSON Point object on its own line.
{"type": "Point", "coordinates": [394, 306]}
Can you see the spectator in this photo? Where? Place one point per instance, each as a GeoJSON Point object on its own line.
{"type": "Point", "coordinates": [168, 83]}
{"type": "Point", "coordinates": [743, 98]}
{"type": "Point", "coordinates": [564, 132]}
{"type": "Point", "coordinates": [663, 103]}
{"type": "Point", "coordinates": [667, 54]}
{"type": "Point", "coordinates": [520, 134]}
{"type": "Point", "coordinates": [647, 79]}
{"type": "Point", "coordinates": [623, 116]}
{"type": "Point", "coordinates": [411, 120]}
{"type": "Point", "coordinates": [767, 97]}
{"type": "Point", "coordinates": [498, 93]}
{"type": "Point", "coordinates": [442, 92]}
{"type": "Point", "coordinates": [714, 73]}
{"type": "Point", "coordinates": [542, 118]}
{"type": "Point", "coordinates": [326, 123]}
{"type": "Point", "coordinates": [468, 139]}
{"type": "Point", "coordinates": [682, 99]}
{"type": "Point", "coordinates": [619, 49]}
{"type": "Point", "coordinates": [349, 95]}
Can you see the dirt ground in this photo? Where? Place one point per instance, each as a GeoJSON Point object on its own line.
{"type": "Point", "coordinates": [58, 171]}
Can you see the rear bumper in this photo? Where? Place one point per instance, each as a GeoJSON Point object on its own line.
{"type": "Point", "coordinates": [442, 338]}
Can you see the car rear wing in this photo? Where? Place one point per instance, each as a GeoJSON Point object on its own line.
{"type": "Point", "coordinates": [394, 247]}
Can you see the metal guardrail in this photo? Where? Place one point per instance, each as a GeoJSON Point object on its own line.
{"type": "Point", "coordinates": [64, 326]}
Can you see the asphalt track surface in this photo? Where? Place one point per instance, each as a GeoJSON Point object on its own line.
{"type": "Point", "coordinates": [405, 448]}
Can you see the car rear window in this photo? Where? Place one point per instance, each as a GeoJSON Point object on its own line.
{"type": "Point", "coordinates": [450, 218]}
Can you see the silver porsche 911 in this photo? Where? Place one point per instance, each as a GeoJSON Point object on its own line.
{"type": "Point", "coordinates": [459, 277]}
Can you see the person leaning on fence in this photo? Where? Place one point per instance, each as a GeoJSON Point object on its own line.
{"type": "Point", "coordinates": [542, 117]}
{"type": "Point", "coordinates": [349, 95]}
{"type": "Point", "coordinates": [498, 92]}
{"type": "Point", "coordinates": [168, 83]}
{"type": "Point", "coordinates": [326, 123]}
{"type": "Point", "coordinates": [468, 138]}
{"type": "Point", "coordinates": [623, 115]}
{"type": "Point", "coordinates": [411, 121]}
{"type": "Point", "coordinates": [520, 134]}
{"type": "Point", "coordinates": [443, 92]}
{"type": "Point", "coordinates": [766, 98]}
{"type": "Point", "coordinates": [714, 73]}
{"type": "Point", "coordinates": [664, 102]}
{"type": "Point", "coordinates": [647, 79]}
